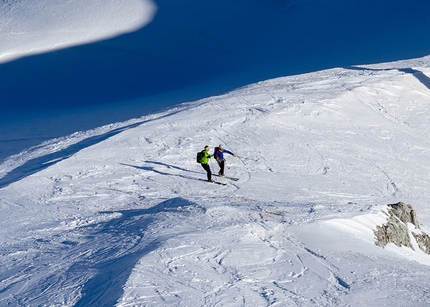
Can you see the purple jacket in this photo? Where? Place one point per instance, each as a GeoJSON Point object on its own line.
{"type": "Point", "coordinates": [219, 155]}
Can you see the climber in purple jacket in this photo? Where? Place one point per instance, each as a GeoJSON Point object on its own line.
{"type": "Point", "coordinates": [219, 156]}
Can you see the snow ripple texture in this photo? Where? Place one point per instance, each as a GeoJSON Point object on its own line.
{"type": "Point", "coordinates": [121, 215]}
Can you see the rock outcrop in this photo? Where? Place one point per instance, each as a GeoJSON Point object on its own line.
{"type": "Point", "coordinates": [402, 229]}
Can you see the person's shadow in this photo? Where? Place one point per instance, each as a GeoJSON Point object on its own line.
{"type": "Point", "coordinates": [168, 166]}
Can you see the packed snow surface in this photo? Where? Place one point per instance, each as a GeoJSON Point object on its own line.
{"type": "Point", "coordinates": [122, 215]}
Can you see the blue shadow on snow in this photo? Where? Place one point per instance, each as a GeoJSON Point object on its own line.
{"type": "Point", "coordinates": [40, 163]}
{"type": "Point", "coordinates": [193, 42]}
{"type": "Point", "coordinates": [106, 287]}
{"type": "Point", "coordinates": [194, 49]}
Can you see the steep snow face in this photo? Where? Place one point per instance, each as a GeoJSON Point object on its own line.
{"type": "Point", "coordinates": [30, 27]}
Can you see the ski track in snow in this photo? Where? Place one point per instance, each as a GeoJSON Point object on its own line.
{"type": "Point", "coordinates": [120, 216]}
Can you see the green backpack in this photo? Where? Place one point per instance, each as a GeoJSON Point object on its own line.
{"type": "Point", "coordinates": [200, 156]}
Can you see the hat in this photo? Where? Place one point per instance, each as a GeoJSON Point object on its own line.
{"type": "Point", "coordinates": [206, 147]}
{"type": "Point", "coordinates": [220, 146]}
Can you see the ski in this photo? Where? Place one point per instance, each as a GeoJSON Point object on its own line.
{"type": "Point", "coordinates": [217, 182]}
{"type": "Point", "coordinates": [221, 183]}
{"type": "Point", "coordinates": [227, 177]}
{"type": "Point", "coordinates": [231, 178]}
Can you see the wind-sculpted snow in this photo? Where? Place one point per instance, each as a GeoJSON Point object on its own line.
{"type": "Point", "coordinates": [121, 215]}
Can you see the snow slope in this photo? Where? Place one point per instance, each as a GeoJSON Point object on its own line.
{"type": "Point", "coordinates": [27, 28]}
{"type": "Point", "coordinates": [185, 50]}
{"type": "Point", "coordinates": [121, 215]}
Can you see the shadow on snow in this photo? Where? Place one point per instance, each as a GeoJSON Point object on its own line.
{"type": "Point", "coordinates": [210, 41]}
{"type": "Point", "coordinates": [95, 260]}
{"type": "Point", "coordinates": [106, 287]}
{"type": "Point", "coordinates": [211, 47]}
{"type": "Point", "coordinates": [120, 244]}
{"type": "Point", "coordinates": [152, 169]}
{"type": "Point", "coordinates": [40, 163]}
{"type": "Point", "coordinates": [419, 75]}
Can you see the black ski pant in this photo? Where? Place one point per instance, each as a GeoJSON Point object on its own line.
{"type": "Point", "coordinates": [221, 166]}
{"type": "Point", "coordinates": [208, 170]}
